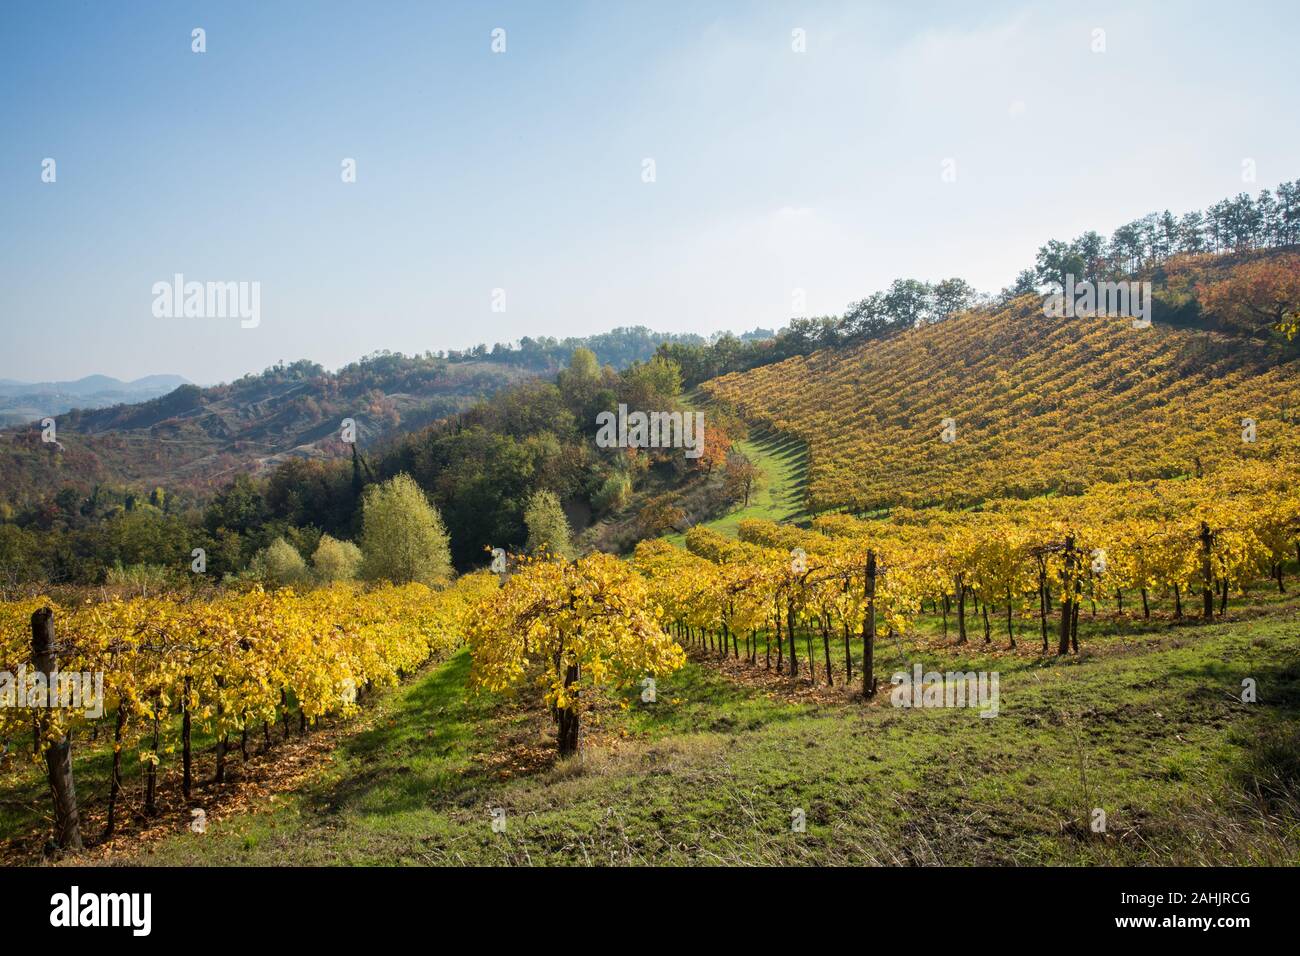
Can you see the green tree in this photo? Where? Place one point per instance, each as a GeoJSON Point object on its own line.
{"type": "Point", "coordinates": [652, 385]}
{"type": "Point", "coordinates": [613, 493]}
{"type": "Point", "coordinates": [403, 538]}
{"type": "Point", "coordinates": [579, 383]}
{"type": "Point", "coordinates": [908, 302]}
{"type": "Point", "coordinates": [1057, 261]}
{"type": "Point", "coordinates": [335, 560]}
{"type": "Point", "coordinates": [547, 527]}
{"type": "Point", "coordinates": [19, 558]}
{"type": "Point", "coordinates": [279, 563]}
{"type": "Point", "coordinates": [532, 407]}
{"type": "Point", "coordinates": [951, 296]}
{"type": "Point", "coordinates": [239, 506]}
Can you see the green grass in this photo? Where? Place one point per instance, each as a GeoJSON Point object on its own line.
{"type": "Point", "coordinates": [780, 496]}
{"type": "Point", "coordinates": [1145, 724]}
{"type": "Point", "coordinates": [784, 463]}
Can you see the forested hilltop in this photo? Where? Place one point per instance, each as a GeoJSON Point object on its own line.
{"type": "Point", "coordinates": [481, 467]}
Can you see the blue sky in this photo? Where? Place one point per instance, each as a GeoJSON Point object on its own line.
{"type": "Point", "coordinates": [522, 171]}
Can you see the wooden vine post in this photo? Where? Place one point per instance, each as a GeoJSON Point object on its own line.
{"type": "Point", "coordinates": [1068, 601]}
{"type": "Point", "coordinates": [58, 752]}
{"type": "Point", "coordinates": [869, 628]}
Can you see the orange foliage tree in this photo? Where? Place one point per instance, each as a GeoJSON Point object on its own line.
{"type": "Point", "coordinates": [1265, 293]}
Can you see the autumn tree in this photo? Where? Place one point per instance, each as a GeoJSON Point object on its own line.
{"type": "Point", "coordinates": [1257, 295]}
{"type": "Point", "coordinates": [741, 477]}
{"type": "Point", "coordinates": [714, 453]}
{"type": "Point", "coordinates": [660, 514]}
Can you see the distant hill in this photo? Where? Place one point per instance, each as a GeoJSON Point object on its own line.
{"type": "Point", "coordinates": [184, 437]}
{"type": "Point", "coordinates": [196, 438]}
{"type": "Point", "coordinates": [24, 402]}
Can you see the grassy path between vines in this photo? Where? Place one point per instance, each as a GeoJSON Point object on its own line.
{"type": "Point", "coordinates": [780, 496]}
{"type": "Point", "coordinates": [784, 463]}
{"type": "Point", "coordinates": [1146, 725]}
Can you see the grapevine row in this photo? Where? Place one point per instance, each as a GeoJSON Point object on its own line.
{"type": "Point", "coordinates": [230, 664]}
{"type": "Point", "coordinates": [1200, 539]}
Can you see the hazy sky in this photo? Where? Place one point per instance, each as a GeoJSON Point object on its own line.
{"type": "Point", "coordinates": [775, 170]}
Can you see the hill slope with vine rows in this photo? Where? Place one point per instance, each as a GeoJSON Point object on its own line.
{"type": "Point", "coordinates": [1039, 405]}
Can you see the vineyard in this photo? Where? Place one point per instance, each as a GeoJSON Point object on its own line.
{"type": "Point", "coordinates": [230, 665]}
{"type": "Point", "coordinates": [1036, 405]}
{"type": "Point", "coordinates": [1198, 541]}
{"type": "Point", "coordinates": [712, 771]}
{"type": "Point", "coordinates": [808, 607]}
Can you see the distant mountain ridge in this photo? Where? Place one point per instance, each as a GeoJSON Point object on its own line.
{"type": "Point", "coordinates": [91, 384]}
{"type": "Point", "coordinates": [22, 402]}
